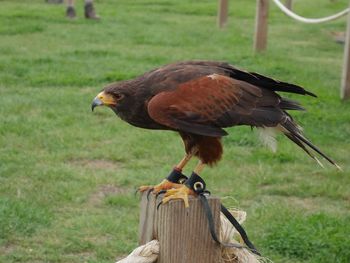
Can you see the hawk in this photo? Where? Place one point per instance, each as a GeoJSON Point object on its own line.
{"type": "Point", "coordinates": [198, 99]}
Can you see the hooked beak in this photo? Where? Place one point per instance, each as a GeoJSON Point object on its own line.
{"type": "Point", "coordinates": [96, 102]}
{"type": "Point", "coordinates": [103, 99]}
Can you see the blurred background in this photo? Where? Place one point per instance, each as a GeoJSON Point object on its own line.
{"type": "Point", "coordinates": [67, 176]}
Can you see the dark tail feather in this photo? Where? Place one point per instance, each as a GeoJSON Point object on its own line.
{"type": "Point", "coordinates": [308, 143]}
{"type": "Point", "coordinates": [288, 104]}
{"type": "Point", "coordinates": [302, 146]}
{"type": "Point", "coordinates": [294, 134]}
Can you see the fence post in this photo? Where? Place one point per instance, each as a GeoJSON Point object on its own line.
{"type": "Point", "coordinates": [183, 233]}
{"type": "Point", "coordinates": [289, 4]}
{"type": "Point", "coordinates": [345, 85]}
{"type": "Point", "coordinates": [261, 24]}
{"type": "Point", "coordinates": [222, 13]}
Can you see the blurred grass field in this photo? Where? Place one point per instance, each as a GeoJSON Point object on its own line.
{"type": "Point", "coordinates": [67, 176]}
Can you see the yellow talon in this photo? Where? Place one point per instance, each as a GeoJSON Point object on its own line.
{"type": "Point", "coordinates": [170, 192]}
{"type": "Point", "coordinates": [164, 185]}
{"type": "Point", "coordinates": [180, 193]}
{"type": "Point", "coordinates": [144, 188]}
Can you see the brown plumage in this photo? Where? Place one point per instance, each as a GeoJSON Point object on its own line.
{"type": "Point", "coordinates": [200, 98]}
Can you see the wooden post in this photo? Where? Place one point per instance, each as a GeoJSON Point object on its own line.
{"type": "Point", "coordinates": [147, 215]}
{"type": "Point", "coordinates": [345, 85]}
{"type": "Point", "coordinates": [222, 13]}
{"type": "Point", "coordinates": [289, 4]}
{"type": "Point", "coordinates": [183, 234]}
{"type": "Point", "coordinates": [261, 24]}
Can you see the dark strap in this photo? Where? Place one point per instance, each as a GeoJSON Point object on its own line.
{"type": "Point", "coordinates": [233, 221]}
{"type": "Point", "coordinates": [197, 184]}
{"type": "Point", "coordinates": [240, 229]}
{"type": "Point", "coordinates": [176, 177]}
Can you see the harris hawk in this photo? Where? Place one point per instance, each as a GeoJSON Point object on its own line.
{"type": "Point", "coordinates": [198, 99]}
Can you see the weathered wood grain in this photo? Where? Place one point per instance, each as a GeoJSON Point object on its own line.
{"type": "Point", "coordinates": [183, 233]}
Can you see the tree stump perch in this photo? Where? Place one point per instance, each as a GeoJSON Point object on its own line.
{"type": "Point", "coordinates": [183, 234]}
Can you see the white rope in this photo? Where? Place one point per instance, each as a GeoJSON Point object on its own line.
{"type": "Point", "coordinates": [147, 253]}
{"type": "Point", "coordinates": [310, 20]}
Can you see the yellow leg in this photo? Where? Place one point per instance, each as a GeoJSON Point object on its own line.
{"type": "Point", "coordinates": [199, 168]}
{"type": "Point", "coordinates": [183, 162]}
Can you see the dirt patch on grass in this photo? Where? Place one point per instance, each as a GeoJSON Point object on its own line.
{"type": "Point", "coordinates": [97, 164]}
{"type": "Point", "coordinates": [314, 204]}
{"type": "Point", "coordinates": [310, 204]}
{"type": "Point", "coordinates": [7, 249]}
{"type": "Point", "coordinates": [103, 191]}
{"type": "Point", "coordinates": [318, 204]}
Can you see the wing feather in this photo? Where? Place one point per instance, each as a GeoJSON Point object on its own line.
{"type": "Point", "coordinates": [207, 104]}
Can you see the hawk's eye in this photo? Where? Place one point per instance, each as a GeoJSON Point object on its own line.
{"type": "Point", "coordinates": [119, 96]}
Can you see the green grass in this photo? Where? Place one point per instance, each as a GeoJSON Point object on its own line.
{"type": "Point", "coordinates": [307, 238]}
{"type": "Point", "coordinates": [67, 176]}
